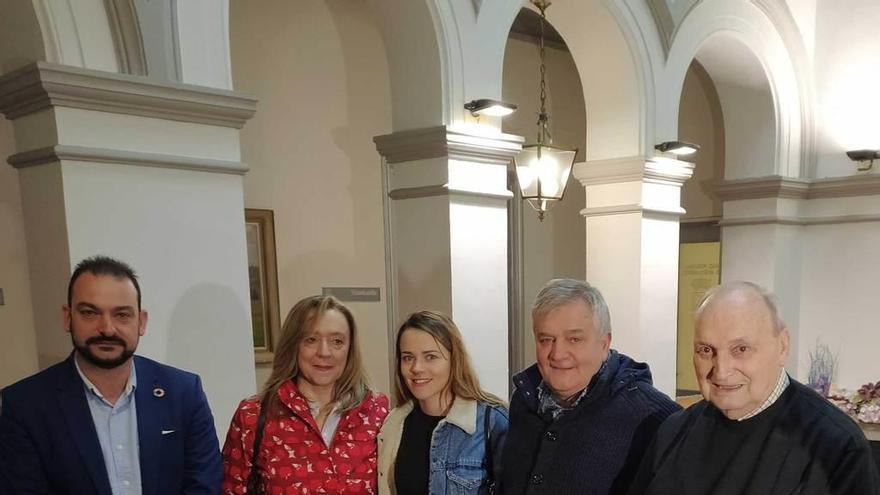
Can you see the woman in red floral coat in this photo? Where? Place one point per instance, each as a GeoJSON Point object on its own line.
{"type": "Point", "coordinates": [321, 419]}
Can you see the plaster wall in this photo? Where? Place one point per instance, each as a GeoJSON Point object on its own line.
{"type": "Point", "coordinates": [203, 41]}
{"type": "Point", "coordinates": [479, 251]}
{"type": "Point", "coordinates": [700, 121]}
{"type": "Point", "coordinates": [413, 60]}
{"type": "Point", "coordinates": [769, 255]}
{"type": "Point", "coordinates": [320, 72]}
{"type": "Point", "coordinates": [18, 354]}
{"type": "Point", "coordinates": [45, 225]}
{"type": "Point", "coordinates": [804, 14]}
{"type": "Point", "coordinates": [611, 80]}
{"type": "Point", "coordinates": [554, 248]}
{"type": "Point", "coordinates": [847, 67]}
{"type": "Point", "coordinates": [659, 303]}
{"type": "Point", "coordinates": [424, 275]}
{"type": "Point", "coordinates": [20, 36]}
{"type": "Point", "coordinates": [189, 248]}
{"type": "Point", "coordinates": [621, 236]}
{"type": "Point", "coordinates": [748, 117]}
{"type": "Point", "coordinates": [838, 298]}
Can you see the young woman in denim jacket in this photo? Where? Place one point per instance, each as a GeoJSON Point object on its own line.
{"type": "Point", "coordinates": [435, 441]}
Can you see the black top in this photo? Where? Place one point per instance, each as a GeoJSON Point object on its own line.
{"type": "Point", "coordinates": [595, 448]}
{"type": "Point", "coordinates": [800, 444]}
{"type": "Point", "coordinates": [412, 466]}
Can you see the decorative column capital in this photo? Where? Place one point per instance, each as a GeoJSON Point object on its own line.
{"type": "Point", "coordinates": [658, 181]}
{"type": "Point", "coordinates": [442, 141]}
{"type": "Point", "coordinates": [42, 85]}
{"type": "Point", "coordinates": [649, 169]}
{"type": "Point", "coordinates": [465, 163]}
{"type": "Point", "coordinates": [782, 200]}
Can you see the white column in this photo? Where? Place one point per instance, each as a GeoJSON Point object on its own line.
{"type": "Point", "coordinates": [812, 243]}
{"type": "Point", "coordinates": [762, 235]}
{"type": "Point", "coordinates": [446, 236]}
{"type": "Point", "coordinates": [149, 173]}
{"type": "Point", "coordinates": [632, 211]}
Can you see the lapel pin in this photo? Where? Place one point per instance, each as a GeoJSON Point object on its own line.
{"type": "Point", "coordinates": [159, 392]}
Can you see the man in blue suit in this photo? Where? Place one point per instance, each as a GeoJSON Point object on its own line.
{"type": "Point", "coordinates": [105, 421]}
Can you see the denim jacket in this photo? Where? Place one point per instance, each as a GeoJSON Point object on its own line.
{"type": "Point", "coordinates": [458, 447]}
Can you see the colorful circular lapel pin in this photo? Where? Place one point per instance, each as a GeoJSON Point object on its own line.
{"type": "Point", "coordinates": [159, 392]}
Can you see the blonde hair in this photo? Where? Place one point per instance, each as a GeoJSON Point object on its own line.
{"type": "Point", "coordinates": [351, 387]}
{"type": "Point", "coordinates": [463, 382]}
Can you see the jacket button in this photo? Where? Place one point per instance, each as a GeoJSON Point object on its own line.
{"type": "Point", "coordinates": [551, 435]}
{"type": "Point", "coordinates": [537, 479]}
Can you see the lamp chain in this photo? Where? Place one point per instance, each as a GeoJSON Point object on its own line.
{"type": "Point", "coordinates": [543, 116]}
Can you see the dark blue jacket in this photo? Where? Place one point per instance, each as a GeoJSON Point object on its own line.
{"type": "Point", "coordinates": [594, 449]}
{"type": "Point", "coordinates": [48, 441]}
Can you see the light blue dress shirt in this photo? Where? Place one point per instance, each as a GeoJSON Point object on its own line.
{"type": "Point", "coordinates": [116, 425]}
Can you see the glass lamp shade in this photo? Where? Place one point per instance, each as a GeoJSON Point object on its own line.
{"type": "Point", "coordinates": [543, 172]}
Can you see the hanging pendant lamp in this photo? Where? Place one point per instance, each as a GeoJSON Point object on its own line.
{"type": "Point", "coordinates": [541, 168]}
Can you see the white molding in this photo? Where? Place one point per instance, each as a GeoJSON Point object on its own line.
{"type": "Point", "coordinates": [418, 192]}
{"type": "Point", "coordinates": [788, 220]}
{"type": "Point", "coordinates": [42, 85]}
{"type": "Point", "coordinates": [444, 190]}
{"type": "Point", "coordinates": [658, 170]}
{"type": "Point", "coordinates": [789, 32]}
{"type": "Point", "coordinates": [58, 153]}
{"type": "Point", "coordinates": [798, 188]}
{"type": "Point", "coordinates": [601, 211]}
{"type": "Point", "coordinates": [440, 141]}
{"type": "Point", "coordinates": [762, 187]}
{"type": "Point", "coordinates": [128, 41]}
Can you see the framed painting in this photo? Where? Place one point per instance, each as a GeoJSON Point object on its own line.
{"type": "Point", "coordinates": [263, 281]}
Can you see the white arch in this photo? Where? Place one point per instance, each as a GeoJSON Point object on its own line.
{"type": "Point", "coordinates": [611, 46]}
{"type": "Point", "coordinates": [470, 45]}
{"type": "Point", "coordinates": [77, 33]}
{"type": "Point", "coordinates": [413, 49]}
{"type": "Point", "coordinates": [749, 25]}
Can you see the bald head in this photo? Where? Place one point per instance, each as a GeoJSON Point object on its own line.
{"type": "Point", "coordinates": [746, 296]}
{"type": "Point", "coordinates": [740, 347]}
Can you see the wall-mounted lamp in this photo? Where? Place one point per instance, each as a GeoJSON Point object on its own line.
{"type": "Point", "coordinates": [677, 147]}
{"type": "Point", "coordinates": [491, 108]}
{"type": "Point", "coordinates": [864, 158]}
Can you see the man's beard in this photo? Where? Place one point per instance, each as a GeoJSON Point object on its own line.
{"type": "Point", "coordinates": [110, 363]}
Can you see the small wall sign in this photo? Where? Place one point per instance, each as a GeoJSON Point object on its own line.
{"type": "Point", "coordinates": [353, 294]}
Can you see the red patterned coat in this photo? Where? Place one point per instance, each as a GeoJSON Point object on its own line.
{"type": "Point", "coordinates": [293, 457]}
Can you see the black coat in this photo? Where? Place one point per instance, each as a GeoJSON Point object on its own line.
{"type": "Point", "coordinates": [801, 444]}
{"type": "Point", "coordinates": [594, 449]}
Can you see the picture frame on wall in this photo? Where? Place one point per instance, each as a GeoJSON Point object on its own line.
{"type": "Point", "coordinates": [262, 282]}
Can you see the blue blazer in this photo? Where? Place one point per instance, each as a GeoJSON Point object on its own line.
{"type": "Point", "coordinates": [48, 441]}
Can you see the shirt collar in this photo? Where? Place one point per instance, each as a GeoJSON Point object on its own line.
{"type": "Point", "coordinates": [130, 385]}
{"type": "Point", "coordinates": [547, 402]}
{"type": "Point", "coordinates": [781, 384]}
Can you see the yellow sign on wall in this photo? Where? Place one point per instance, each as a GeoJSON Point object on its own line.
{"type": "Point", "coordinates": [698, 271]}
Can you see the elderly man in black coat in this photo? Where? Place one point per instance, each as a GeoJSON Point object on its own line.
{"type": "Point", "coordinates": [758, 430]}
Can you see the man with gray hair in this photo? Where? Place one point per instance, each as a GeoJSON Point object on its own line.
{"type": "Point", "coordinates": [582, 417]}
{"type": "Point", "coordinates": [758, 430]}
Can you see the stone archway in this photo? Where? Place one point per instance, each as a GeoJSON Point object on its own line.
{"type": "Point", "coordinates": [728, 35]}
{"type": "Point", "coordinates": [755, 65]}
